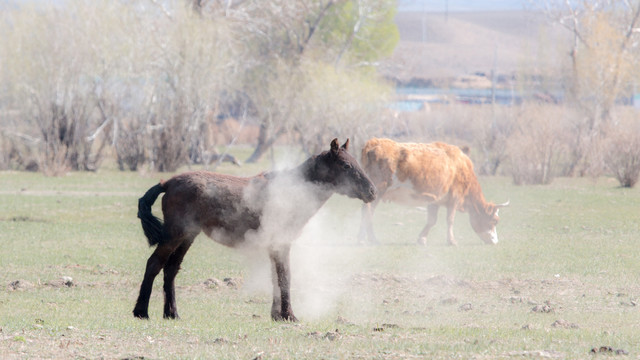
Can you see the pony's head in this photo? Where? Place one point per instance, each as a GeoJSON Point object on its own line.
{"type": "Point", "coordinates": [340, 172]}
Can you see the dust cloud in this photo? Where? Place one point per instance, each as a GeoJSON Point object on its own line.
{"type": "Point", "coordinates": [325, 256]}
{"type": "Point", "coordinates": [324, 259]}
{"type": "Point", "coordinates": [322, 263]}
{"type": "Point", "coordinates": [320, 266]}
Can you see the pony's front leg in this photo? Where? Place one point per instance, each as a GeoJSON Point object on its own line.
{"type": "Point", "coordinates": [281, 278]}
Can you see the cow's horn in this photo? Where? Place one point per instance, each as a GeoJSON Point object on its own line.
{"type": "Point", "coordinates": [504, 204]}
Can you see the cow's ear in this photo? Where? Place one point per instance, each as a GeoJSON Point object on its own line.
{"type": "Point", "coordinates": [335, 146]}
{"type": "Point", "coordinates": [346, 145]}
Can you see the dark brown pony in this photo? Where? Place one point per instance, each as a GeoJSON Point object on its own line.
{"type": "Point", "coordinates": [266, 211]}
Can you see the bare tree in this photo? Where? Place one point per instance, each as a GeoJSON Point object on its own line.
{"type": "Point", "coordinates": [279, 32]}
{"type": "Point", "coordinates": [336, 101]}
{"type": "Point", "coordinates": [536, 147]}
{"type": "Point", "coordinates": [603, 59]}
{"type": "Point", "coordinates": [284, 37]}
{"type": "Point", "coordinates": [168, 70]}
{"type": "Point", "coordinates": [50, 70]}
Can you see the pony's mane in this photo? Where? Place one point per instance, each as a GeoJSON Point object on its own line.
{"type": "Point", "coordinates": [302, 169]}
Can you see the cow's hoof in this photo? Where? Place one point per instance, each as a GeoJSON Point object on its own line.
{"type": "Point", "coordinates": [373, 241]}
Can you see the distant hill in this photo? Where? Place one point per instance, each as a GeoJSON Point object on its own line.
{"type": "Point", "coordinates": [462, 5]}
{"type": "Point", "coordinates": [438, 46]}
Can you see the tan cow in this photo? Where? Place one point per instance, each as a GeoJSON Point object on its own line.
{"type": "Point", "coordinates": [432, 174]}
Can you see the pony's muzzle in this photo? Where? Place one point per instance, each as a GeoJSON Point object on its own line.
{"type": "Point", "coordinates": [371, 194]}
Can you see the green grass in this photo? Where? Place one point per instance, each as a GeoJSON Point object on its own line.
{"type": "Point", "coordinates": [571, 246]}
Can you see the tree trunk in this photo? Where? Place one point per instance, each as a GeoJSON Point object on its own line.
{"type": "Point", "coordinates": [265, 142]}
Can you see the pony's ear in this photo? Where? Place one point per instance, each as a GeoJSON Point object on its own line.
{"type": "Point", "coordinates": [346, 145]}
{"type": "Point", "coordinates": [335, 146]}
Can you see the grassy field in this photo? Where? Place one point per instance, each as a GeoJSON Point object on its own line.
{"type": "Point", "coordinates": [563, 280]}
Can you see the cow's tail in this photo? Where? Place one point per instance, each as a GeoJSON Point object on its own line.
{"type": "Point", "coordinates": [151, 225]}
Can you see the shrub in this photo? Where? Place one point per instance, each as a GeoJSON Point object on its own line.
{"type": "Point", "coordinates": [535, 147]}
{"type": "Point", "coordinates": [622, 152]}
{"type": "Point", "coordinates": [484, 128]}
{"type": "Point", "coordinates": [129, 145]}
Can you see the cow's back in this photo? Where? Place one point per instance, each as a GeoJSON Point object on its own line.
{"type": "Point", "coordinates": [433, 170]}
{"type": "Point", "coordinates": [380, 160]}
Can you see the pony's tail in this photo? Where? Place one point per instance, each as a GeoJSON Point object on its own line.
{"type": "Point", "coordinates": [151, 225]}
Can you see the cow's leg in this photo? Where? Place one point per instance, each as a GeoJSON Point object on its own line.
{"type": "Point", "coordinates": [364, 219]}
{"type": "Point", "coordinates": [156, 262]}
{"type": "Point", "coordinates": [171, 269]}
{"type": "Point", "coordinates": [432, 217]}
{"type": "Point", "coordinates": [281, 277]}
{"type": "Point", "coordinates": [366, 224]}
{"type": "Point", "coordinates": [451, 214]}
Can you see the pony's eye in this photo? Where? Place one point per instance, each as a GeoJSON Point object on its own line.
{"type": "Point", "coordinates": [346, 166]}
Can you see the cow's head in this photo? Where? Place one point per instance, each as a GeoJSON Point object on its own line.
{"type": "Point", "coordinates": [484, 221]}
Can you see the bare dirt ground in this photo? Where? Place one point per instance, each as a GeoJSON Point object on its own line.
{"type": "Point", "coordinates": [561, 283]}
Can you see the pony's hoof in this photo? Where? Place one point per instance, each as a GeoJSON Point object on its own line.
{"type": "Point", "coordinates": [140, 314]}
{"type": "Point", "coordinates": [174, 316]}
{"type": "Point", "coordinates": [288, 318]}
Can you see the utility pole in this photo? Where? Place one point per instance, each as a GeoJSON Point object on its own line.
{"type": "Point", "coordinates": [424, 22]}
{"type": "Point", "coordinates": [446, 11]}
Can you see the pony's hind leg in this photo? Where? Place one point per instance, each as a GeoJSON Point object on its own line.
{"type": "Point", "coordinates": [155, 263]}
{"type": "Point", "coordinates": [171, 269]}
